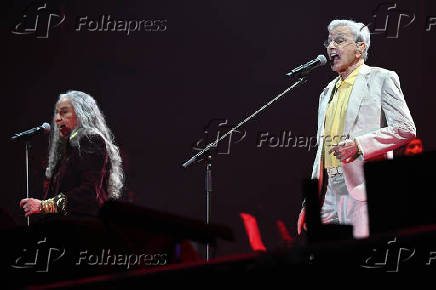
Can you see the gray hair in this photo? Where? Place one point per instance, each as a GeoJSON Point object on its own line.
{"type": "Point", "coordinates": [90, 120]}
{"type": "Point", "coordinates": [359, 30]}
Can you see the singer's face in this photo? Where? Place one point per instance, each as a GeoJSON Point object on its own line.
{"type": "Point", "coordinates": [66, 119]}
{"type": "Point", "coordinates": [345, 54]}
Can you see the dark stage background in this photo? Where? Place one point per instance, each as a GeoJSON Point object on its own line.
{"type": "Point", "coordinates": [209, 60]}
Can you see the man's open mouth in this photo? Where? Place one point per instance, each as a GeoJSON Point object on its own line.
{"type": "Point", "coordinates": [334, 56]}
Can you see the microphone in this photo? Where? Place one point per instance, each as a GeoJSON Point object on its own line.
{"type": "Point", "coordinates": [305, 69]}
{"type": "Point", "coordinates": [45, 127]}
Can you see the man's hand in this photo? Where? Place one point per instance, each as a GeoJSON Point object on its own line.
{"type": "Point", "coordinates": [30, 206]}
{"type": "Point", "coordinates": [346, 151]}
{"type": "Point", "coordinates": [301, 221]}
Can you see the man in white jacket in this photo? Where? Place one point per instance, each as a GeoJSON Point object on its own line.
{"type": "Point", "coordinates": [362, 115]}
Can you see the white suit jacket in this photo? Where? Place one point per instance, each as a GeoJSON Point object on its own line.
{"type": "Point", "coordinates": [377, 115]}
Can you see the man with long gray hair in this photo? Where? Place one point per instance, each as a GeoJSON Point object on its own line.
{"type": "Point", "coordinates": [84, 164]}
{"type": "Point", "coordinates": [362, 116]}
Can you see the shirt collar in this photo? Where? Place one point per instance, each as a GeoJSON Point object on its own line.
{"type": "Point", "coordinates": [349, 80]}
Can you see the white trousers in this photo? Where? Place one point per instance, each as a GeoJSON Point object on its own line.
{"type": "Point", "coordinates": [341, 208]}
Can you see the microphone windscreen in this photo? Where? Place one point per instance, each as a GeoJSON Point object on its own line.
{"type": "Point", "coordinates": [46, 127]}
{"type": "Point", "coordinates": [322, 59]}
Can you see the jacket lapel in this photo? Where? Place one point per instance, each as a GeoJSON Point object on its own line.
{"type": "Point", "coordinates": [359, 91]}
{"type": "Point", "coordinates": [323, 107]}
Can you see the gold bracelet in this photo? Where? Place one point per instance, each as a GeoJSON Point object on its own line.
{"type": "Point", "coordinates": [56, 204]}
{"type": "Point", "coordinates": [48, 206]}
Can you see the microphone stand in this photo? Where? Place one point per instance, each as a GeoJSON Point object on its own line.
{"type": "Point", "coordinates": [207, 149]}
{"type": "Point", "coordinates": [28, 146]}
{"type": "Point", "coordinates": [26, 137]}
{"type": "Point", "coordinates": [208, 197]}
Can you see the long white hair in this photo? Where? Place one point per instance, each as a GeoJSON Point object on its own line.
{"type": "Point", "coordinates": [90, 120]}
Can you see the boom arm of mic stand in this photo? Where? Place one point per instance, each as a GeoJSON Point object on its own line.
{"type": "Point", "coordinates": [300, 81]}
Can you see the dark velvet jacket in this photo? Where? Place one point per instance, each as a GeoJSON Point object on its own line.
{"type": "Point", "coordinates": [82, 176]}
